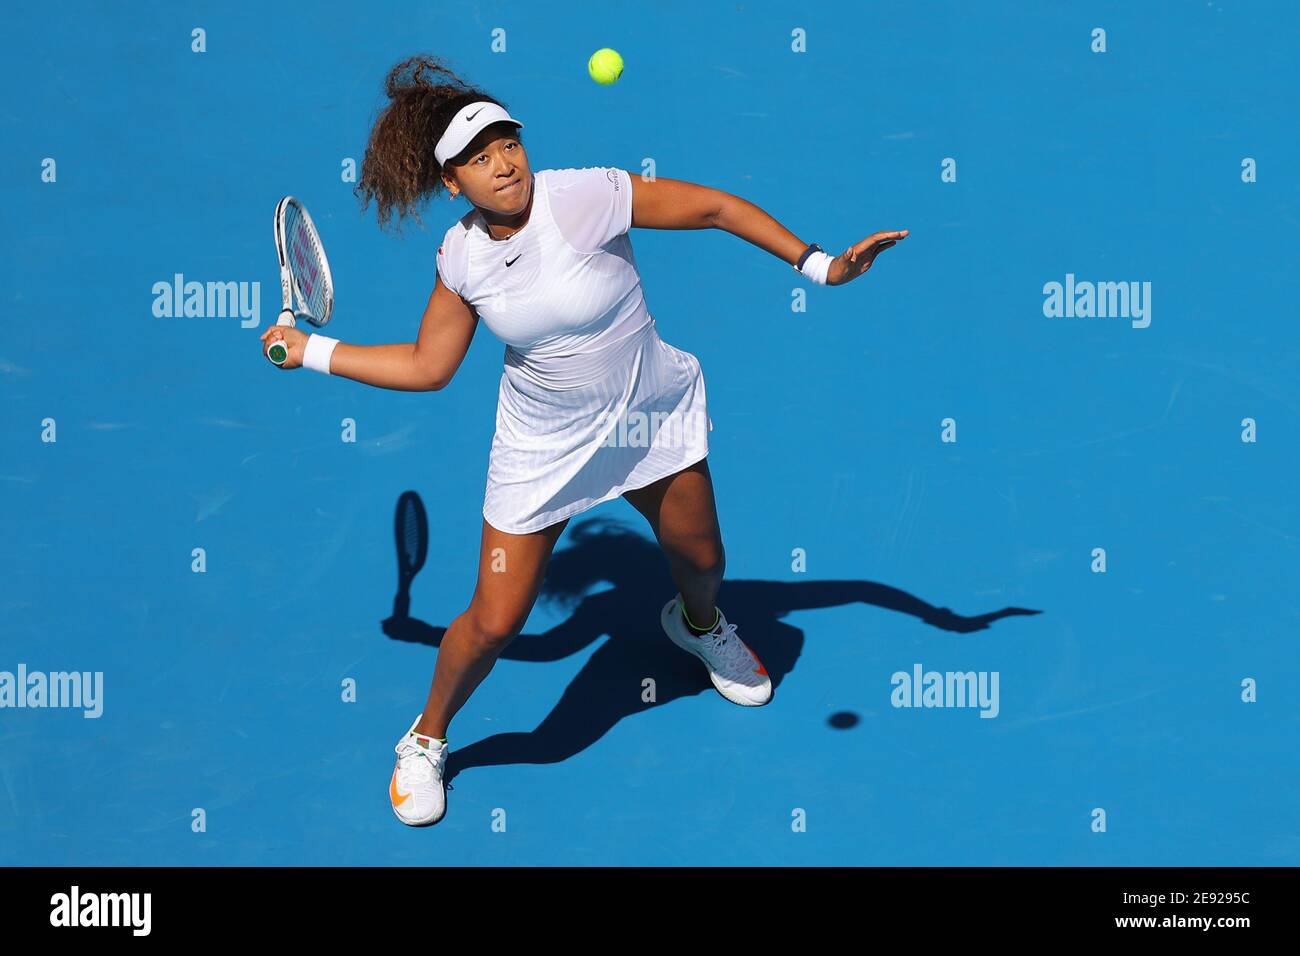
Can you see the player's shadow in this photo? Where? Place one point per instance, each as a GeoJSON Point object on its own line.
{"type": "Point", "coordinates": [612, 684]}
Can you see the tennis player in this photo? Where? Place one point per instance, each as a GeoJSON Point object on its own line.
{"type": "Point", "coordinates": [592, 403]}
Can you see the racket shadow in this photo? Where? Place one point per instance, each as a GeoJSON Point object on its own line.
{"type": "Point", "coordinates": [611, 685]}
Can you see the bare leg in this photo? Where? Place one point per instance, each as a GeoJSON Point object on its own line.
{"type": "Point", "coordinates": [510, 572]}
{"type": "Point", "coordinates": [683, 514]}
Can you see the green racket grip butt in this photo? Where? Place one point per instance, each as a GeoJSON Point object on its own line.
{"type": "Point", "coordinates": [278, 352]}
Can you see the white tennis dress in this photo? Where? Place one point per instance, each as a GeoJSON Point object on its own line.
{"type": "Point", "coordinates": [592, 402]}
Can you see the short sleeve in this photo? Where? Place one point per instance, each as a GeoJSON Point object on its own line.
{"type": "Point", "coordinates": [451, 260]}
{"type": "Point", "coordinates": [592, 207]}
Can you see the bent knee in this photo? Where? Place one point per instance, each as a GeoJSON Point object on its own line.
{"type": "Point", "coordinates": [700, 556]}
{"type": "Point", "coordinates": [493, 628]}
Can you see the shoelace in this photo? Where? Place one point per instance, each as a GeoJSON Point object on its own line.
{"type": "Point", "coordinates": [414, 771]}
{"type": "Point", "coordinates": [726, 650]}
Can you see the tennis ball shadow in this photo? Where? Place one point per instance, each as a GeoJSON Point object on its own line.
{"type": "Point", "coordinates": [844, 720]}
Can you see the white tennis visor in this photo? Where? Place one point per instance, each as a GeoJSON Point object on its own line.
{"type": "Point", "coordinates": [466, 124]}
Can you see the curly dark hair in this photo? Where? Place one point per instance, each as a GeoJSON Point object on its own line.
{"type": "Point", "coordinates": [399, 171]}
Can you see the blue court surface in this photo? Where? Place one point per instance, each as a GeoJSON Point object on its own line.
{"type": "Point", "coordinates": [903, 467]}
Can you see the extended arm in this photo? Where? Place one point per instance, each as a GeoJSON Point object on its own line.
{"type": "Point", "coordinates": [674, 204]}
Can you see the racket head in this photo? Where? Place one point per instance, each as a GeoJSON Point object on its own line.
{"type": "Point", "coordinates": [412, 530]}
{"type": "Point", "coordinates": [303, 260]}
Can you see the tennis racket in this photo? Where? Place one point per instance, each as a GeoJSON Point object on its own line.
{"type": "Point", "coordinates": [411, 525]}
{"type": "Point", "coordinates": [306, 287]}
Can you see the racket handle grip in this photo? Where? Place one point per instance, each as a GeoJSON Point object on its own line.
{"type": "Point", "coordinates": [278, 352]}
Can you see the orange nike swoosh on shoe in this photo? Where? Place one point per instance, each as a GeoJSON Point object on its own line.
{"type": "Point", "coordinates": [397, 798]}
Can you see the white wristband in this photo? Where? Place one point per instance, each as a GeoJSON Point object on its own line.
{"type": "Point", "coordinates": [817, 266]}
{"type": "Point", "coordinates": [316, 355]}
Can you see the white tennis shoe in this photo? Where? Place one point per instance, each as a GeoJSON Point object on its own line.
{"type": "Point", "coordinates": [735, 670]}
{"type": "Point", "coordinates": [416, 790]}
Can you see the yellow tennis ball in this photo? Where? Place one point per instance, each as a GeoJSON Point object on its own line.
{"type": "Point", "coordinates": [605, 66]}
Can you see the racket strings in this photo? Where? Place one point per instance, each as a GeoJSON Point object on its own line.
{"type": "Point", "coordinates": [308, 265]}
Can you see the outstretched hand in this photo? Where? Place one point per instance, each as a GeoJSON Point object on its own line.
{"type": "Point", "coordinates": [857, 258]}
